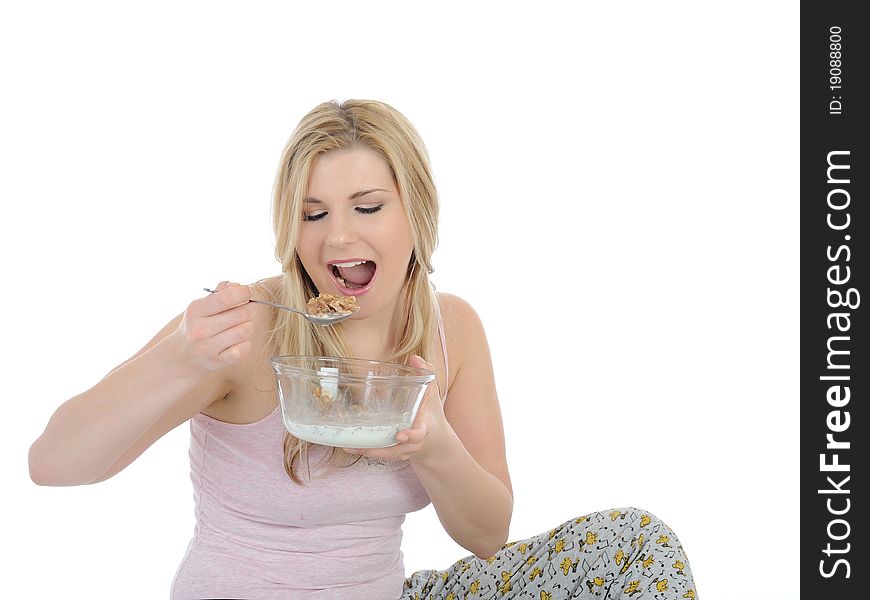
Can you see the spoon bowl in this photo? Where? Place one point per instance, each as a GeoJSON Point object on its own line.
{"type": "Point", "coordinates": [325, 319]}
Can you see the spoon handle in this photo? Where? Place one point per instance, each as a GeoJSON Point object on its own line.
{"type": "Point", "coordinates": [301, 312]}
{"type": "Point", "coordinates": [296, 310]}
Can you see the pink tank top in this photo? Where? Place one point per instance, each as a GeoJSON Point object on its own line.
{"type": "Point", "coordinates": [259, 535]}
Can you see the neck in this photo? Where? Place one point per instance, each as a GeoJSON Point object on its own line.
{"type": "Point", "coordinates": [374, 337]}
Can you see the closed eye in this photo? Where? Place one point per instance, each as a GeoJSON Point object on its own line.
{"type": "Point", "coordinates": [366, 210]}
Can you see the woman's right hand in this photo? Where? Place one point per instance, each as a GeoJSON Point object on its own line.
{"type": "Point", "coordinates": [216, 330]}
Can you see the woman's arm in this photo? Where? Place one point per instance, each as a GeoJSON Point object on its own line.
{"type": "Point", "coordinates": [473, 505]}
{"type": "Point", "coordinates": [464, 469]}
{"type": "Point", "coordinates": [87, 434]}
{"type": "Point", "coordinates": [178, 373]}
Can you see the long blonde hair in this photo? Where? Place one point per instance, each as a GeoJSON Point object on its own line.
{"type": "Point", "coordinates": [331, 126]}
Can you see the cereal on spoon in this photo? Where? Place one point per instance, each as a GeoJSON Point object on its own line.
{"type": "Point", "coordinates": [331, 303]}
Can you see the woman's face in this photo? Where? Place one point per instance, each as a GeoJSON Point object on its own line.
{"type": "Point", "coordinates": [353, 213]}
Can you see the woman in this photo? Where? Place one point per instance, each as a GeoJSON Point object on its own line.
{"type": "Point", "coordinates": [355, 212]}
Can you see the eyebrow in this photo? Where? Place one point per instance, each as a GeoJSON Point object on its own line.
{"type": "Point", "coordinates": [353, 196]}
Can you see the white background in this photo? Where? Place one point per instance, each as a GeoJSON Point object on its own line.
{"type": "Point", "coordinates": [640, 159]}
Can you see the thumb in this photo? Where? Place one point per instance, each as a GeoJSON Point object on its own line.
{"type": "Point", "coordinates": [417, 362]}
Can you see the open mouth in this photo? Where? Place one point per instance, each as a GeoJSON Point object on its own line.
{"type": "Point", "coordinates": [353, 275]}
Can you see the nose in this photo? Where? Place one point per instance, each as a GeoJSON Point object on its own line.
{"type": "Point", "coordinates": [341, 231]}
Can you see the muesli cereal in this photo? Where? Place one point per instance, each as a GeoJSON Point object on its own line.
{"type": "Point", "coordinates": [331, 303]}
{"type": "Point", "coordinates": [329, 407]}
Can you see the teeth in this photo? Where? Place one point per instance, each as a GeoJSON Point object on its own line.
{"type": "Point", "coordinates": [350, 264]}
{"type": "Point", "coordinates": [343, 283]}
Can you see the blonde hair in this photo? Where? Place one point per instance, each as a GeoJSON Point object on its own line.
{"type": "Point", "coordinates": [329, 127]}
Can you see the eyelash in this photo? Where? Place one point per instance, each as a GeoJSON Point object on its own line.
{"type": "Point", "coordinates": [362, 209]}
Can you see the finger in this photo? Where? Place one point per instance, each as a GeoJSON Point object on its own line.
{"type": "Point", "coordinates": [414, 435]}
{"type": "Point", "coordinates": [238, 335]}
{"type": "Point", "coordinates": [221, 286]}
{"type": "Point", "coordinates": [229, 296]}
{"type": "Point", "coordinates": [418, 362]}
{"type": "Point", "coordinates": [205, 328]}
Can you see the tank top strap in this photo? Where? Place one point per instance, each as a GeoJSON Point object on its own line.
{"type": "Point", "coordinates": [443, 345]}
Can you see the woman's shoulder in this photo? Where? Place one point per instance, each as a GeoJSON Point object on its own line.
{"type": "Point", "coordinates": [456, 310]}
{"type": "Point", "coordinates": [462, 325]}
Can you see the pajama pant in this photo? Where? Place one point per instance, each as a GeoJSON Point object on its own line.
{"type": "Point", "coordinates": [621, 553]}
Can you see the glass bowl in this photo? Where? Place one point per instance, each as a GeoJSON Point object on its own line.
{"type": "Point", "coordinates": [348, 402]}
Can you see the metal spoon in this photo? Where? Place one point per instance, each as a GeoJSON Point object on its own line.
{"type": "Point", "coordinates": [326, 319]}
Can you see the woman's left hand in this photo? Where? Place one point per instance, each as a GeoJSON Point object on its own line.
{"type": "Point", "coordinates": [425, 432]}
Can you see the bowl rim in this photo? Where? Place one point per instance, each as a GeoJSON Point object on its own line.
{"type": "Point", "coordinates": [425, 375]}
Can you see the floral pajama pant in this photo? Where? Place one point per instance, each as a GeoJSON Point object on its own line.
{"type": "Point", "coordinates": [621, 553]}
